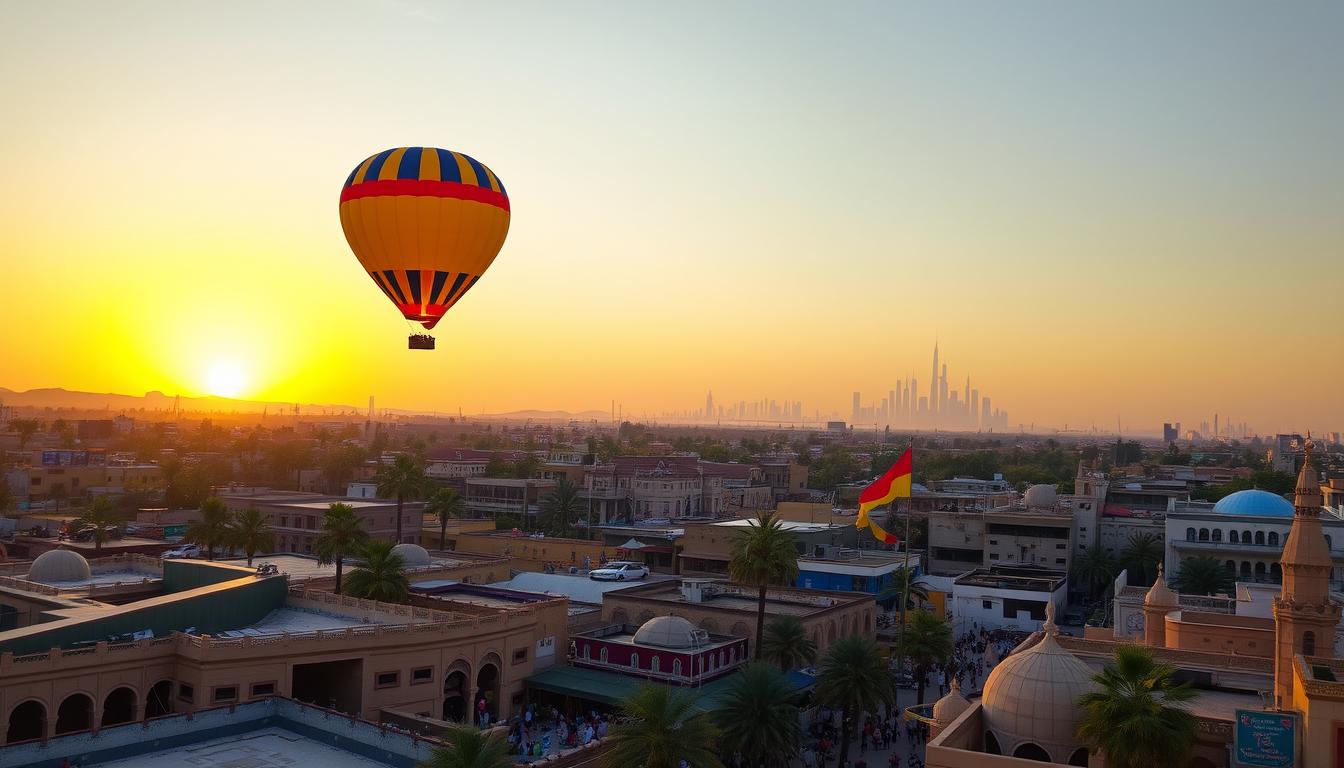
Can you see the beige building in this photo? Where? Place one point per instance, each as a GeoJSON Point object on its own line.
{"type": "Point", "coordinates": [720, 607]}
{"type": "Point", "coordinates": [210, 634]}
{"type": "Point", "coordinates": [1038, 532]}
{"type": "Point", "coordinates": [295, 518]}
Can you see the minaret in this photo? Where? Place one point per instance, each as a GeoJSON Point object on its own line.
{"type": "Point", "coordinates": [1159, 601]}
{"type": "Point", "coordinates": [1304, 616]}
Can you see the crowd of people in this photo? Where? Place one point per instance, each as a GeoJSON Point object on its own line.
{"type": "Point", "coordinates": [537, 733]}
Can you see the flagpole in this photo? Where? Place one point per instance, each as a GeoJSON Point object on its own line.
{"type": "Point", "coordinates": [905, 598]}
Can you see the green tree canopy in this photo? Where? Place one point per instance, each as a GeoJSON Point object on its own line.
{"type": "Point", "coordinates": [756, 717]}
{"type": "Point", "coordinates": [250, 532]}
{"type": "Point", "coordinates": [467, 747]}
{"type": "Point", "coordinates": [445, 504]}
{"type": "Point", "coordinates": [212, 530]}
{"type": "Point", "coordinates": [763, 556]}
{"type": "Point", "coordinates": [786, 643]}
{"type": "Point", "coordinates": [342, 536]}
{"type": "Point", "coordinates": [854, 679]}
{"type": "Point", "coordinates": [658, 727]}
{"type": "Point", "coordinates": [927, 642]}
{"type": "Point", "coordinates": [403, 480]}
{"type": "Point", "coordinates": [1203, 575]}
{"type": "Point", "coordinates": [381, 574]}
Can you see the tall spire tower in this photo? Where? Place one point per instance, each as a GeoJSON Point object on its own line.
{"type": "Point", "coordinates": [933, 379]}
{"type": "Point", "coordinates": [1304, 615]}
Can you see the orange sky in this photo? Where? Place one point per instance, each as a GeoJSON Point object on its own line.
{"type": "Point", "coordinates": [1099, 213]}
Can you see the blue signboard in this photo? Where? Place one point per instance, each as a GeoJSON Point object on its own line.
{"type": "Point", "coordinates": [1265, 738]}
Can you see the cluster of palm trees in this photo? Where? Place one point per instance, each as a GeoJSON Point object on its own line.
{"type": "Point", "coordinates": [219, 529]}
{"type": "Point", "coordinates": [1096, 569]}
{"type": "Point", "coordinates": [380, 574]}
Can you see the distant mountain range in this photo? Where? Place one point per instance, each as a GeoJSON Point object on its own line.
{"type": "Point", "coordinates": [112, 403]}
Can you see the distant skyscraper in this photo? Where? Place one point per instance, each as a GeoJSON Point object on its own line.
{"type": "Point", "coordinates": [933, 379]}
{"type": "Point", "coordinates": [986, 415]}
{"type": "Point", "coordinates": [975, 409]}
{"type": "Point", "coordinates": [709, 405]}
{"type": "Point", "coordinates": [858, 410]}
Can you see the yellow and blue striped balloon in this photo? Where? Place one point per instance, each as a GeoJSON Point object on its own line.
{"type": "Point", "coordinates": [426, 223]}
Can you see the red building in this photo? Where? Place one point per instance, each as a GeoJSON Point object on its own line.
{"type": "Point", "coordinates": [667, 649]}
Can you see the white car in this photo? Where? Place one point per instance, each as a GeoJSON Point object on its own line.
{"type": "Point", "coordinates": [184, 552]}
{"type": "Point", "coordinates": [619, 571]}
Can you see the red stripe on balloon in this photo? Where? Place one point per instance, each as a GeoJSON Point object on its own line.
{"type": "Point", "coordinates": [425, 188]}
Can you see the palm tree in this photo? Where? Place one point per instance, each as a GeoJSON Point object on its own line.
{"type": "Point", "coordinates": [467, 747]}
{"type": "Point", "coordinates": [1203, 575]}
{"type": "Point", "coordinates": [763, 556]}
{"type": "Point", "coordinates": [343, 535]}
{"type": "Point", "coordinates": [756, 718]}
{"type": "Point", "coordinates": [382, 575]}
{"type": "Point", "coordinates": [1142, 555]}
{"type": "Point", "coordinates": [926, 642]}
{"type": "Point", "coordinates": [658, 727]}
{"type": "Point", "coordinates": [401, 480]}
{"type": "Point", "coordinates": [1136, 718]}
{"type": "Point", "coordinates": [249, 532]}
{"type": "Point", "coordinates": [446, 504]}
{"type": "Point", "coordinates": [786, 643]}
{"type": "Point", "coordinates": [212, 530]}
{"type": "Point", "coordinates": [854, 679]}
{"type": "Point", "coordinates": [1095, 569]}
{"type": "Point", "coordinates": [560, 507]}
{"type": "Point", "coordinates": [903, 583]}
{"type": "Point", "coordinates": [100, 516]}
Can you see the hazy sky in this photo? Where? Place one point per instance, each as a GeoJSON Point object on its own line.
{"type": "Point", "coordinates": [1131, 210]}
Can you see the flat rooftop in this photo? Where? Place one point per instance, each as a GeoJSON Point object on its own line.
{"type": "Point", "coordinates": [577, 588]}
{"type": "Point", "coordinates": [103, 579]}
{"type": "Point", "coordinates": [722, 594]}
{"type": "Point", "coordinates": [295, 621]}
{"type": "Point", "coordinates": [265, 748]}
{"type": "Point", "coordinates": [300, 567]}
{"type": "Point", "coordinates": [792, 526]}
{"type": "Point", "coordinates": [1028, 579]}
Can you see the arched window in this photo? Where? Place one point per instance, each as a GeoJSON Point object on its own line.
{"type": "Point", "coordinates": [1217, 536]}
{"type": "Point", "coordinates": [1079, 756]}
{"type": "Point", "coordinates": [1189, 534]}
{"type": "Point", "coordinates": [1259, 571]}
{"type": "Point", "coordinates": [1232, 536]}
{"type": "Point", "coordinates": [634, 660]}
{"type": "Point", "coordinates": [1308, 643]}
{"type": "Point", "coordinates": [1245, 569]}
{"type": "Point", "coordinates": [1231, 566]}
{"type": "Point", "coordinates": [1275, 572]}
{"type": "Point", "coordinates": [656, 664]}
{"type": "Point", "coordinates": [992, 744]}
{"type": "Point", "coordinates": [602, 655]}
{"type": "Point", "coordinates": [676, 667]}
{"type": "Point", "coordinates": [1260, 538]}
{"type": "Point", "coordinates": [1273, 538]}
{"type": "Point", "coordinates": [585, 650]}
{"type": "Point", "coordinates": [1245, 537]}
{"type": "Point", "coordinates": [1203, 534]}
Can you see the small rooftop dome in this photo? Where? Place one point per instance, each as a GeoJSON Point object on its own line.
{"type": "Point", "coordinates": [948, 708]}
{"type": "Point", "coordinates": [59, 565]}
{"type": "Point", "coordinates": [666, 632]}
{"type": "Point", "coordinates": [1041, 496]}
{"type": "Point", "coordinates": [1161, 595]}
{"type": "Point", "coordinates": [1254, 503]}
{"type": "Point", "coordinates": [413, 555]}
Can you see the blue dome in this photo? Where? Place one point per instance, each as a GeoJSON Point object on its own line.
{"type": "Point", "coordinates": [1254, 503]}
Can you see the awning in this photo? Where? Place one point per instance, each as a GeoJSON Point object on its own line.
{"type": "Point", "coordinates": [611, 688]}
{"type": "Point", "coordinates": [632, 544]}
{"type": "Point", "coordinates": [650, 549]}
{"type": "Point", "coordinates": [705, 556]}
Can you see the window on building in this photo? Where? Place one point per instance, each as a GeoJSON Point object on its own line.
{"type": "Point", "coordinates": [1060, 546]}
{"type": "Point", "coordinates": [1059, 561]}
{"type": "Point", "coordinates": [987, 604]}
{"type": "Point", "coordinates": [1308, 643]}
{"type": "Point", "coordinates": [284, 521]}
{"type": "Point", "coordinates": [602, 655]}
{"type": "Point", "coordinates": [263, 689]}
{"type": "Point", "coordinates": [676, 667]}
{"type": "Point", "coordinates": [225, 693]}
{"type": "Point", "coordinates": [387, 680]}
{"type": "Point", "coordinates": [1232, 537]}
{"type": "Point", "coordinates": [634, 660]}
{"type": "Point", "coordinates": [185, 692]}
{"type": "Point", "coordinates": [1217, 534]}
{"type": "Point", "coordinates": [422, 675]}
{"type": "Point", "coordinates": [1273, 538]}
{"type": "Point", "coordinates": [1190, 534]}
{"type": "Point", "coordinates": [519, 655]}
{"type": "Point", "coordinates": [655, 664]}
{"type": "Point", "coordinates": [1203, 534]}
{"type": "Point", "coordinates": [993, 555]}
{"type": "Point", "coordinates": [1260, 538]}
{"type": "Point", "coordinates": [993, 542]}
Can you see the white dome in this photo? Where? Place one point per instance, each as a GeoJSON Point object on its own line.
{"type": "Point", "coordinates": [948, 708]}
{"type": "Point", "coordinates": [1032, 697]}
{"type": "Point", "coordinates": [59, 565]}
{"type": "Point", "coordinates": [666, 632]}
{"type": "Point", "coordinates": [412, 555]}
{"type": "Point", "coordinates": [1041, 496]}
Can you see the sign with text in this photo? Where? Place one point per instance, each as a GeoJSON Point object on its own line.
{"type": "Point", "coordinates": [1265, 739]}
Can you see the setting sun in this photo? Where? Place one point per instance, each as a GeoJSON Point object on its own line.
{"type": "Point", "coordinates": [225, 379]}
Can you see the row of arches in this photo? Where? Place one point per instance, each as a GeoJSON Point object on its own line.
{"type": "Point", "coordinates": [28, 720]}
{"type": "Point", "coordinates": [1259, 571]}
{"type": "Point", "coordinates": [459, 697]}
{"type": "Point", "coordinates": [1215, 535]}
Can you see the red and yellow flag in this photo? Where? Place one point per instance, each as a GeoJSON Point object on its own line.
{"type": "Point", "coordinates": [894, 484]}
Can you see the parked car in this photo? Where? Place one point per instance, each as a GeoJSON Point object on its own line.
{"type": "Point", "coordinates": [185, 551]}
{"type": "Point", "coordinates": [619, 571]}
{"type": "Point", "coordinates": [86, 533]}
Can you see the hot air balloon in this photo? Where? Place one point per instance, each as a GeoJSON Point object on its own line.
{"type": "Point", "coordinates": [425, 223]}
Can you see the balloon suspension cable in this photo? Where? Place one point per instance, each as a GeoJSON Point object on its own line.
{"type": "Point", "coordinates": [418, 339]}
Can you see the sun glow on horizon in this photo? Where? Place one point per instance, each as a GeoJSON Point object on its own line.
{"type": "Point", "coordinates": [226, 378]}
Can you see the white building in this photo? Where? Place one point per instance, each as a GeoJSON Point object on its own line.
{"type": "Point", "coordinates": [1006, 597]}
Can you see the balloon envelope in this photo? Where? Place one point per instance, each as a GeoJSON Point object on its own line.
{"type": "Point", "coordinates": [426, 223]}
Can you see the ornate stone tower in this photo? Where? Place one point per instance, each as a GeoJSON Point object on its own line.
{"type": "Point", "coordinates": [1304, 616]}
{"type": "Point", "coordinates": [1159, 601]}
